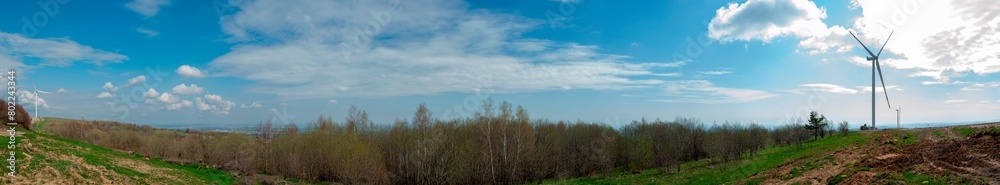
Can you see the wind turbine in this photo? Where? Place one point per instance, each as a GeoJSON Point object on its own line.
{"type": "Point", "coordinates": [36, 98]}
{"type": "Point", "coordinates": [897, 117]}
{"type": "Point", "coordinates": [875, 65]}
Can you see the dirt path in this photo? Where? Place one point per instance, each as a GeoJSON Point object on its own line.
{"type": "Point", "coordinates": [833, 164]}
{"type": "Point", "coordinates": [822, 174]}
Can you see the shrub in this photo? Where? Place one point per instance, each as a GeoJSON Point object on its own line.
{"type": "Point", "coordinates": [21, 116]}
{"type": "Point", "coordinates": [844, 128]}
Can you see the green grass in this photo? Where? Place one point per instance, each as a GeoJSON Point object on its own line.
{"type": "Point", "coordinates": [964, 131]}
{"type": "Point", "coordinates": [848, 171]}
{"type": "Point", "coordinates": [105, 158]}
{"type": "Point", "coordinates": [704, 172]}
{"type": "Point", "coordinates": [908, 138]}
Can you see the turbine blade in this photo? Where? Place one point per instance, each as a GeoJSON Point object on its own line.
{"type": "Point", "coordinates": [43, 92]}
{"type": "Point", "coordinates": [862, 44]}
{"type": "Point", "coordinates": [883, 45]}
{"type": "Point", "coordinates": [884, 90]}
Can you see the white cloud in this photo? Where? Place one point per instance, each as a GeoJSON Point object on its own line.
{"type": "Point", "coordinates": [714, 72]}
{"type": "Point", "coordinates": [62, 90]}
{"type": "Point", "coordinates": [191, 72]}
{"type": "Point", "coordinates": [151, 93]}
{"type": "Point", "coordinates": [28, 98]}
{"type": "Point", "coordinates": [767, 19]}
{"type": "Point", "coordinates": [868, 89]}
{"type": "Point", "coordinates": [668, 74]}
{"type": "Point", "coordinates": [255, 104]}
{"type": "Point", "coordinates": [168, 98]}
{"type": "Point", "coordinates": [110, 87]}
{"type": "Point", "coordinates": [103, 95]}
{"type": "Point", "coordinates": [178, 105]}
{"type": "Point", "coordinates": [937, 39]}
{"type": "Point", "coordinates": [187, 90]}
{"type": "Point", "coordinates": [980, 86]}
{"type": "Point", "coordinates": [830, 88]}
{"type": "Point", "coordinates": [147, 8]}
{"type": "Point", "coordinates": [50, 52]}
{"type": "Point", "coordinates": [435, 46]}
{"type": "Point", "coordinates": [703, 91]}
{"type": "Point", "coordinates": [956, 101]}
{"type": "Point", "coordinates": [147, 32]}
{"type": "Point", "coordinates": [214, 104]}
{"type": "Point", "coordinates": [136, 81]}
{"type": "Point", "coordinates": [332, 101]}
{"type": "Point", "coordinates": [943, 39]}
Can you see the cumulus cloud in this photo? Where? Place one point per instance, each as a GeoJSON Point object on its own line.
{"type": "Point", "coordinates": [103, 95]}
{"type": "Point", "coordinates": [147, 8]}
{"type": "Point", "coordinates": [703, 91]}
{"type": "Point", "coordinates": [767, 19]}
{"type": "Point", "coordinates": [178, 105]}
{"type": "Point", "coordinates": [165, 101]}
{"type": "Point", "coordinates": [332, 101]}
{"type": "Point", "coordinates": [136, 81]}
{"type": "Point", "coordinates": [214, 104]}
{"type": "Point", "coordinates": [190, 72]}
{"type": "Point", "coordinates": [957, 39]}
{"type": "Point", "coordinates": [50, 52]}
{"type": "Point", "coordinates": [151, 93]}
{"type": "Point", "coordinates": [166, 97]}
{"type": "Point", "coordinates": [186, 89]}
{"type": "Point", "coordinates": [110, 87]}
{"type": "Point", "coordinates": [61, 90]}
{"type": "Point", "coordinates": [301, 50]}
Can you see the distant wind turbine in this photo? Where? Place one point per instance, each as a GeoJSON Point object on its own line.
{"type": "Point", "coordinates": [897, 116]}
{"type": "Point", "coordinates": [875, 65]}
{"type": "Point", "coordinates": [36, 98]}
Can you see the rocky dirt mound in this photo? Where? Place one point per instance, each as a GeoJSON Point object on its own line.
{"type": "Point", "coordinates": [974, 157]}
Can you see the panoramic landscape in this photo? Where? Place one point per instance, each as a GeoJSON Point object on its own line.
{"type": "Point", "coordinates": [491, 92]}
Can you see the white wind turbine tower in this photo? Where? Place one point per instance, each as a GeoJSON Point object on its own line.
{"type": "Point", "coordinates": [875, 65]}
{"type": "Point", "coordinates": [36, 98]}
{"type": "Point", "coordinates": [897, 117]}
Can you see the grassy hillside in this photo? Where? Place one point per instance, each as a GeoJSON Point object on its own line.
{"type": "Point", "coordinates": [912, 156]}
{"type": "Point", "coordinates": [45, 158]}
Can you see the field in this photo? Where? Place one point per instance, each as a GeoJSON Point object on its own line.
{"type": "Point", "coordinates": [945, 155]}
{"type": "Point", "coordinates": [46, 159]}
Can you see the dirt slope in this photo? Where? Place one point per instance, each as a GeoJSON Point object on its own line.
{"type": "Point", "coordinates": [932, 155]}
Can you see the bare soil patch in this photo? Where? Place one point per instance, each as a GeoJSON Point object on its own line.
{"type": "Point", "coordinates": [939, 152]}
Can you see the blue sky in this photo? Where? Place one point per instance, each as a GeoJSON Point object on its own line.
{"type": "Point", "coordinates": [161, 62]}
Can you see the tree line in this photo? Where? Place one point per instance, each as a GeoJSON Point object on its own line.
{"type": "Point", "coordinates": [500, 144]}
